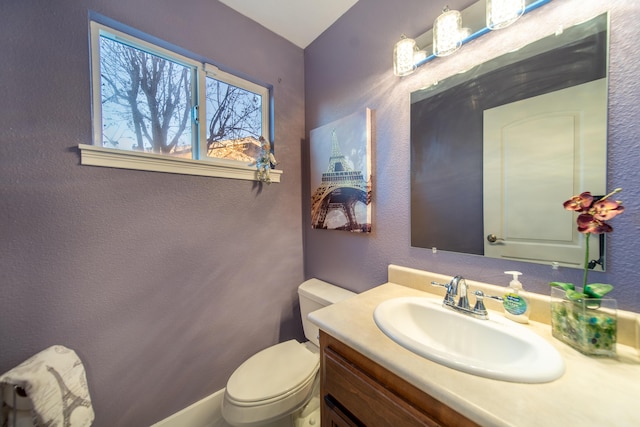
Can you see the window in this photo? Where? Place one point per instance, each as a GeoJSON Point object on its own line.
{"type": "Point", "coordinates": [155, 109]}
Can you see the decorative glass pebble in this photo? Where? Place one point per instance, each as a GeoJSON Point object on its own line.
{"type": "Point", "coordinates": [588, 325]}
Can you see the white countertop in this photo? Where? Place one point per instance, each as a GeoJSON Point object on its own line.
{"type": "Point", "coordinates": [592, 392]}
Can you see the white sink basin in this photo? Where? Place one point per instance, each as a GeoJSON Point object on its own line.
{"type": "Point", "coordinates": [496, 348]}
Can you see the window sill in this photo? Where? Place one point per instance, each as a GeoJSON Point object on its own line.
{"type": "Point", "coordinates": [92, 155]}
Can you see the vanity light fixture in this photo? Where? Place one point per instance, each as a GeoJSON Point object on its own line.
{"type": "Point", "coordinates": [403, 62]}
{"type": "Point", "coordinates": [406, 56]}
{"type": "Point", "coordinates": [502, 13]}
{"type": "Point", "coordinates": [447, 32]}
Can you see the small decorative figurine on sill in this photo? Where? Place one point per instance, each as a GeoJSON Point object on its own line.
{"type": "Point", "coordinates": [264, 160]}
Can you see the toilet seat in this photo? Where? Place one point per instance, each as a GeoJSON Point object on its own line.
{"type": "Point", "coordinates": [271, 383]}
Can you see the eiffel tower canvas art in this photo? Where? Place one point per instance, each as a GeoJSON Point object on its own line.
{"type": "Point", "coordinates": [340, 154]}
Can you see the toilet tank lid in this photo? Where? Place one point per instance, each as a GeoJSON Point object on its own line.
{"type": "Point", "coordinates": [322, 292]}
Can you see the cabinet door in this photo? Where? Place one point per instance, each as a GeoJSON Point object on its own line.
{"type": "Point", "coordinates": [355, 391]}
{"type": "Point", "coordinates": [334, 416]}
{"type": "Point", "coordinates": [369, 402]}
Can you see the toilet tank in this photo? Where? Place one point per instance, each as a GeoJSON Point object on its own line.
{"type": "Point", "coordinates": [315, 294]}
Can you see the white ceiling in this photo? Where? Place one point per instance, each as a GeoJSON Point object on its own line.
{"type": "Point", "coordinates": [299, 21]}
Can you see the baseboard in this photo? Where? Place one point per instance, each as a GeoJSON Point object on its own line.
{"type": "Point", "coordinates": [204, 413]}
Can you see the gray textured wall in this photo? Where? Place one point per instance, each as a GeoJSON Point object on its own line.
{"type": "Point", "coordinates": [162, 283]}
{"type": "Point", "coordinates": [350, 68]}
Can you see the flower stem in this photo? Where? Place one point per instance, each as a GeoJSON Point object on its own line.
{"type": "Point", "coordinates": [617, 190]}
{"type": "Point", "coordinates": [586, 261]}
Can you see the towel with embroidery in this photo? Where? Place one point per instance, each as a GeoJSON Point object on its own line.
{"type": "Point", "coordinates": [55, 384]}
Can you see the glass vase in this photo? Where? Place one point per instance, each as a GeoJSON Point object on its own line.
{"type": "Point", "coordinates": [588, 325]}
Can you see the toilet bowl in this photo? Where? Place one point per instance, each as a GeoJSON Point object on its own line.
{"type": "Point", "coordinates": [277, 384]}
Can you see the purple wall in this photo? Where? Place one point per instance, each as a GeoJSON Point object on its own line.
{"type": "Point", "coordinates": [162, 283]}
{"type": "Point", "coordinates": [349, 68]}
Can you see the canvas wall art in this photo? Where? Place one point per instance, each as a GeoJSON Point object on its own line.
{"type": "Point", "coordinates": [340, 155]}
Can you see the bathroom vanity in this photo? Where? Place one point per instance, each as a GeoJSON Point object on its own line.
{"type": "Point", "coordinates": [357, 391]}
{"type": "Point", "coordinates": [368, 379]}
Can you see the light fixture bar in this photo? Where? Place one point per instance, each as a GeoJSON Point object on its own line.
{"type": "Point", "coordinates": [482, 31]}
{"type": "Point", "coordinates": [502, 13]}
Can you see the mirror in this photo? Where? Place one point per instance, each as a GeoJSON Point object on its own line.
{"type": "Point", "coordinates": [497, 149]}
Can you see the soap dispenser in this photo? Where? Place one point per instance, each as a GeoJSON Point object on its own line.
{"type": "Point", "coordinates": [515, 302]}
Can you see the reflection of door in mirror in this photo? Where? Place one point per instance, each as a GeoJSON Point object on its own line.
{"type": "Point", "coordinates": [537, 153]}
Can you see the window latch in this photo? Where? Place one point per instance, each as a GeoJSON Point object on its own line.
{"type": "Point", "coordinates": [194, 114]}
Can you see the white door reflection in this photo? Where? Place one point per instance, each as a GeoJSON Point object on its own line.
{"type": "Point", "coordinates": [539, 152]}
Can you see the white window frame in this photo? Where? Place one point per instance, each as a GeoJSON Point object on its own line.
{"type": "Point", "coordinates": [96, 155]}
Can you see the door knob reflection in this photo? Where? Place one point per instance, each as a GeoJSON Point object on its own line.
{"type": "Point", "coordinates": [492, 238]}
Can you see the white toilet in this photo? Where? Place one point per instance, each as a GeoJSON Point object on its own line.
{"type": "Point", "coordinates": [278, 386]}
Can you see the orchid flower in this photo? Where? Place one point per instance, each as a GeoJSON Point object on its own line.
{"type": "Point", "coordinates": [591, 221]}
{"type": "Point", "coordinates": [579, 203]}
{"type": "Point", "coordinates": [589, 224]}
{"type": "Point", "coordinates": [606, 209]}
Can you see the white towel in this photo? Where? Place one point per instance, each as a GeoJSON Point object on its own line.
{"type": "Point", "coordinates": [56, 385]}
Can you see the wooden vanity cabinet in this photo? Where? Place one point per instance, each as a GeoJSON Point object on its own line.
{"type": "Point", "coordinates": [355, 392]}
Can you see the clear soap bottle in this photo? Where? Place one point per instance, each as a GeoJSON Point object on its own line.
{"type": "Point", "coordinates": [515, 301]}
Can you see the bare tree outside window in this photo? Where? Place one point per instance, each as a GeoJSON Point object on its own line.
{"type": "Point", "coordinates": [234, 117]}
{"type": "Point", "coordinates": [149, 98]}
{"type": "Point", "coordinates": [146, 101]}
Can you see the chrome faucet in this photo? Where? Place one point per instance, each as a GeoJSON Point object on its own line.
{"type": "Point", "coordinates": [457, 287]}
{"type": "Point", "coordinates": [458, 282]}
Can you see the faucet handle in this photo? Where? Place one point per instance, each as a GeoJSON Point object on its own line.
{"type": "Point", "coordinates": [480, 296]}
{"type": "Point", "coordinates": [448, 298]}
{"type": "Point", "coordinates": [444, 285]}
